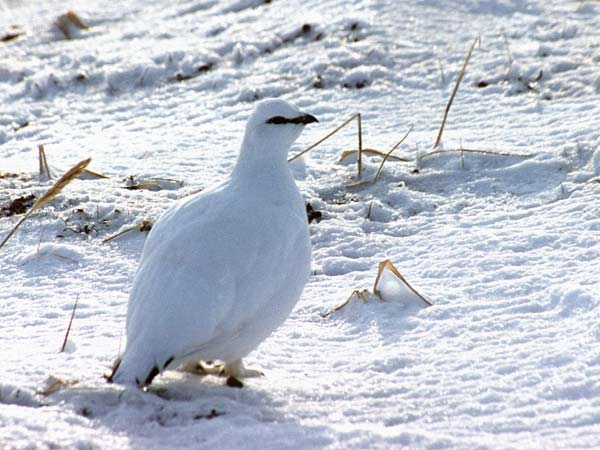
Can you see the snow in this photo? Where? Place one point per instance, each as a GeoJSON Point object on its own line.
{"type": "Point", "coordinates": [506, 247]}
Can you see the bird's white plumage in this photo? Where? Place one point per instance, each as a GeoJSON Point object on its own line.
{"type": "Point", "coordinates": [222, 269]}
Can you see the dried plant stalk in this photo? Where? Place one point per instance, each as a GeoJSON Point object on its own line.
{"type": "Point", "coordinates": [509, 57]}
{"type": "Point", "coordinates": [170, 180]}
{"type": "Point", "coordinates": [146, 225]}
{"type": "Point", "coordinates": [149, 186]}
{"type": "Point", "coordinates": [470, 150]}
{"type": "Point", "coordinates": [325, 138]}
{"type": "Point", "coordinates": [56, 188]}
{"type": "Point", "coordinates": [387, 264]}
{"type": "Point", "coordinates": [69, 18]}
{"type": "Point", "coordinates": [64, 344]}
{"type": "Point", "coordinates": [357, 184]}
{"type": "Point", "coordinates": [43, 163]}
{"type": "Point", "coordinates": [11, 36]}
{"type": "Point", "coordinates": [388, 154]}
{"type": "Point", "coordinates": [44, 169]}
{"type": "Point", "coordinates": [361, 295]}
{"type": "Point", "coordinates": [56, 384]}
{"type": "Point", "coordinates": [451, 99]}
{"type": "Point", "coordinates": [371, 151]}
{"type": "Point", "coordinates": [364, 294]}
{"type": "Point", "coordinates": [95, 174]}
{"type": "Point", "coordinates": [359, 162]}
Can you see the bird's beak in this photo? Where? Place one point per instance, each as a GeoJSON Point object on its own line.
{"type": "Point", "coordinates": [306, 119]}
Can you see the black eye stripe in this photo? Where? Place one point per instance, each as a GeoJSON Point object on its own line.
{"type": "Point", "coordinates": [280, 120]}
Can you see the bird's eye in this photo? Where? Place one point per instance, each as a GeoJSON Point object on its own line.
{"type": "Point", "coordinates": [278, 120]}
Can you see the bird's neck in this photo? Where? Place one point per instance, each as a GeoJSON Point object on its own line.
{"type": "Point", "coordinates": [266, 164]}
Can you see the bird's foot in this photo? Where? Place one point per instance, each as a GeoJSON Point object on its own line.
{"type": "Point", "coordinates": [234, 371]}
{"type": "Point", "coordinates": [234, 382]}
{"type": "Point", "coordinates": [237, 370]}
{"type": "Point", "coordinates": [204, 368]}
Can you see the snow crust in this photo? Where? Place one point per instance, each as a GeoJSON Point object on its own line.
{"type": "Point", "coordinates": [506, 247]}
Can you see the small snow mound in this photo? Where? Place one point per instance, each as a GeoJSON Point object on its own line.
{"type": "Point", "coordinates": [557, 32]}
{"type": "Point", "coordinates": [360, 77]}
{"type": "Point", "coordinates": [124, 78]}
{"type": "Point", "coordinates": [353, 308]}
{"type": "Point", "coordinates": [13, 395]}
{"type": "Point", "coordinates": [244, 53]}
{"type": "Point", "coordinates": [410, 203]}
{"type": "Point", "coordinates": [571, 302]}
{"type": "Point", "coordinates": [393, 289]}
{"type": "Point", "coordinates": [391, 286]}
{"type": "Point", "coordinates": [43, 84]}
{"type": "Point", "coordinates": [378, 212]}
{"type": "Point", "coordinates": [63, 251]}
{"type": "Point", "coordinates": [69, 26]}
{"type": "Point", "coordinates": [70, 346]}
{"type": "Point", "coordinates": [596, 157]}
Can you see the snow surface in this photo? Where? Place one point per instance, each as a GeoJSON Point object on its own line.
{"type": "Point", "coordinates": [506, 247]}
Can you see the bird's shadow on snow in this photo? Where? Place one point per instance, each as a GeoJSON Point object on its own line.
{"type": "Point", "coordinates": [171, 402]}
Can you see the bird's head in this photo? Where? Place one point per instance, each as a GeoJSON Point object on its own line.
{"type": "Point", "coordinates": [276, 123]}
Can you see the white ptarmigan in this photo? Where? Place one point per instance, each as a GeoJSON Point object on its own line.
{"type": "Point", "coordinates": [221, 270]}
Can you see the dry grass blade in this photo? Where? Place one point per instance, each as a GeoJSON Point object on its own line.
{"type": "Point", "coordinates": [324, 138]}
{"type": "Point", "coordinates": [170, 180]}
{"type": "Point", "coordinates": [68, 20]}
{"type": "Point", "coordinates": [469, 150]}
{"type": "Point", "coordinates": [43, 163]}
{"type": "Point", "coordinates": [387, 264]}
{"type": "Point", "coordinates": [509, 56]}
{"type": "Point", "coordinates": [388, 154]}
{"type": "Point", "coordinates": [56, 188]}
{"type": "Point", "coordinates": [73, 17]}
{"type": "Point", "coordinates": [357, 184]}
{"type": "Point", "coordinates": [362, 295]}
{"type": "Point", "coordinates": [371, 151]}
{"type": "Point", "coordinates": [64, 344]}
{"type": "Point", "coordinates": [45, 173]}
{"type": "Point", "coordinates": [11, 36]}
{"type": "Point", "coordinates": [146, 225]}
{"type": "Point", "coordinates": [359, 162]}
{"type": "Point", "coordinates": [56, 384]}
{"type": "Point", "coordinates": [93, 174]}
{"type": "Point", "coordinates": [441, 69]}
{"type": "Point", "coordinates": [451, 99]}
{"type": "Point", "coordinates": [149, 186]}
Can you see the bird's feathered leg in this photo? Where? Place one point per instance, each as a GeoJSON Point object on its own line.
{"type": "Point", "coordinates": [203, 368]}
{"type": "Point", "coordinates": [236, 369]}
{"type": "Point", "coordinates": [142, 382]}
{"type": "Point", "coordinates": [233, 370]}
